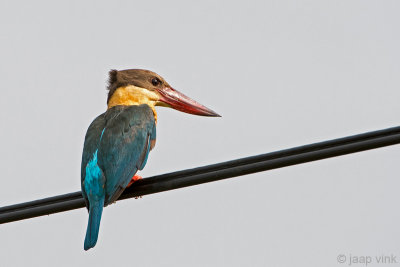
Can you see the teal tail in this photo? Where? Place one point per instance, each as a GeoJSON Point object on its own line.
{"type": "Point", "coordinates": [92, 232]}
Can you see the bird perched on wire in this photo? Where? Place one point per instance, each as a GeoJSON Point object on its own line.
{"type": "Point", "coordinates": [118, 141]}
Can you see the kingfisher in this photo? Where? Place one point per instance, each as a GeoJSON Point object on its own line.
{"type": "Point", "coordinates": [118, 142]}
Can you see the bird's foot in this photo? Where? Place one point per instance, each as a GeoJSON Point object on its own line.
{"type": "Point", "coordinates": [134, 179]}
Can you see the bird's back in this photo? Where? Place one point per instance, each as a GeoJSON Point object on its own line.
{"type": "Point", "coordinates": [121, 136]}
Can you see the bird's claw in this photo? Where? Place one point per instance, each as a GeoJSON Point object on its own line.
{"type": "Point", "coordinates": [134, 179]}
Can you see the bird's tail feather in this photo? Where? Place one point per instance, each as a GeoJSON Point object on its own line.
{"type": "Point", "coordinates": [92, 232]}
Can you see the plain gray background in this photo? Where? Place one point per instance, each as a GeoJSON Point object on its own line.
{"type": "Point", "coordinates": [281, 73]}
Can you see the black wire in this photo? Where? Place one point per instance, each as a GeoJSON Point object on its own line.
{"type": "Point", "coordinates": [214, 172]}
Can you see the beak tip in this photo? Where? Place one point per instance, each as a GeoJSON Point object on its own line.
{"type": "Point", "coordinates": [211, 113]}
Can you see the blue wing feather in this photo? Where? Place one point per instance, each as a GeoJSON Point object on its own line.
{"type": "Point", "coordinates": [117, 144]}
{"type": "Point", "coordinates": [92, 142]}
{"type": "Point", "coordinates": [145, 154]}
{"type": "Point", "coordinates": [124, 147]}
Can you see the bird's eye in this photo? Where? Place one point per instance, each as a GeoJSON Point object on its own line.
{"type": "Point", "coordinates": [155, 81]}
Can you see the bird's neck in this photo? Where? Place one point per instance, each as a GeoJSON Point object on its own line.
{"type": "Point", "coordinates": [132, 95]}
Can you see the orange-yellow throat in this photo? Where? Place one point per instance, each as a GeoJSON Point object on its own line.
{"type": "Point", "coordinates": [133, 95]}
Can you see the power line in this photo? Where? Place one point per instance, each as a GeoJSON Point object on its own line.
{"type": "Point", "coordinates": [214, 172]}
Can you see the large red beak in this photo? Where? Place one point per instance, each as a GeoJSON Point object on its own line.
{"type": "Point", "coordinates": [179, 101]}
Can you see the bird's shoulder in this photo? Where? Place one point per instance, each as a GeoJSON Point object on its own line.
{"type": "Point", "coordinates": [126, 131]}
{"type": "Point", "coordinates": [127, 116]}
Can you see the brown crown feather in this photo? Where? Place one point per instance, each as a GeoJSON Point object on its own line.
{"type": "Point", "coordinates": [136, 77]}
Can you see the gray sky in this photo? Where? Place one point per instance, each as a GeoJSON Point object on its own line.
{"type": "Point", "coordinates": [281, 73]}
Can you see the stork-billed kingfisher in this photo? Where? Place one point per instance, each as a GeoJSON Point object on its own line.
{"type": "Point", "coordinates": [118, 142]}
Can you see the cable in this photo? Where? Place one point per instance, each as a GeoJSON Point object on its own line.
{"type": "Point", "coordinates": [214, 172]}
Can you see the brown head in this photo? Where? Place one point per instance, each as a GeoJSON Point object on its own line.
{"type": "Point", "coordinates": [136, 86]}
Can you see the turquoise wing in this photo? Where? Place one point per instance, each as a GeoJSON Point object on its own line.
{"type": "Point", "coordinates": [124, 146]}
{"type": "Point", "coordinates": [92, 143]}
